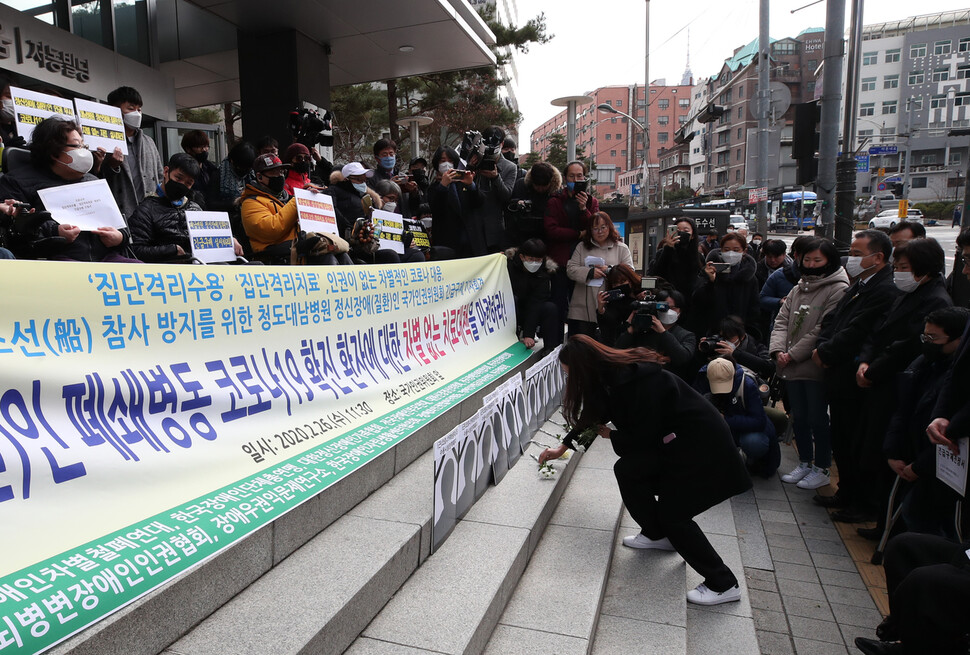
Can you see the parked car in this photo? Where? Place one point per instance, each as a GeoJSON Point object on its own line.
{"type": "Point", "coordinates": [737, 221]}
{"type": "Point", "coordinates": [890, 217]}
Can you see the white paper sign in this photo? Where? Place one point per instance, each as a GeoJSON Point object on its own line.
{"type": "Point", "coordinates": [101, 126]}
{"type": "Point", "coordinates": [87, 205]}
{"type": "Point", "coordinates": [210, 236]}
{"type": "Point", "coordinates": [316, 212]}
{"type": "Point", "coordinates": [31, 108]}
{"type": "Point", "coordinates": [392, 227]}
{"type": "Point", "coordinates": [595, 261]}
{"type": "Point", "coordinates": [952, 469]}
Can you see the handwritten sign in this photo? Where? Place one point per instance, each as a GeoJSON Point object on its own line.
{"type": "Point", "coordinates": [316, 212]}
{"type": "Point", "coordinates": [31, 107]}
{"type": "Point", "coordinates": [101, 125]}
{"type": "Point", "coordinates": [88, 205]}
{"type": "Point", "coordinates": [952, 469]}
{"type": "Point", "coordinates": [210, 235]}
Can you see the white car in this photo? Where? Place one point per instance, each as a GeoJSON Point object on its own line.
{"type": "Point", "coordinates": [890, 217]}
{"type": "Point", "coordinates": [737, 221]}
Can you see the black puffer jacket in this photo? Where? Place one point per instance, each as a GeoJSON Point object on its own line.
{"type": "Point", "coordinates": [530, 290]}
{"type": "Point", "coordinates": [158, 228]}
{"type": "Point", "coordinates": [730, 294]}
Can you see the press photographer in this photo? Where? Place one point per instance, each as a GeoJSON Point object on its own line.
{"type": "Point", "coordinates": [525, 214]}
{"type": "Point", "coordinates": [662, 332]}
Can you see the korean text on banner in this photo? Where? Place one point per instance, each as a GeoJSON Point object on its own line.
{"type": "Point", "coordinates": [316, 212]}
{"type": "Point", "coordinates": [101, 126]}
{"type": "Point", "coordinates": [31, 107]}
{"type": "Point", "coordinates": [87, 205]}
{"type": "Point", "coordinates": [952, 469]}
{"type": "Point", "coordinates": [210, 236]}
{"type": "Point", "coordinates": [154, 415]}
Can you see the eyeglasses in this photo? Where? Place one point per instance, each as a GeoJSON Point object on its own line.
{"type": "Point", "coordinates": [77, 145]}
{"type": "Point", "coordinates": [929, 338]}
{"type": "Point", "coordinates": [601, 228]}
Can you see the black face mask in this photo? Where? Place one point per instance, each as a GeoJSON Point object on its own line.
{"type": "Point", "coordinates": [201, 156]}
{"type": "Point", "coordinates": [820, 271]}
{"type": "Point", "coordinates": [510, 156]}
{"type": "Point", "coordinates": [933, 351]}
{"type": "Point", "coordinates": [420, 178]}
{"type": "Point", "coordinates": [683, 238]}
{"type": "Point", "coordinates": [176, 190]}
{"type": "Point", "coordinates": [302, 167]}
{"type": "Point", "coordinates": [275, 184]}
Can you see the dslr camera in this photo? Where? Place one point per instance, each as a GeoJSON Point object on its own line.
{"type": "Point", "coordinates": [707, 345]}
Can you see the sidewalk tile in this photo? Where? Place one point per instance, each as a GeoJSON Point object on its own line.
{"type": "Point", "coordinates": [849, 579]}
{"type": "Point", "coordinates": [770, 621]}
{"type": "Point", "coordinates": [774, 505]}
{"type": "Point", "coordinates": [796, 572]}
{"type": "Point", "coordinates": [813, 609]}
{"type": "Point", "coordinates": [850, 632]}
{"type": "Point", "coordinates": [855, 597]}
{"type": "Point", "coordinates": [801, 589]}
{"type": "Point", "coordinates": [785, 541]}
{"type": "Point", "coordinates": [772, 643]}
{"type": "Point", "coordinates": [760, 582]}
{"type": "Point", "coordinates": [793, 556]}
{"type": "Point", "coordinates": [765, 600]}
{"type": "Point", "coordinates": [824, 561]}
{"type": "Point", "coordinates": [825, 534]}
{"type": "Point", "coordinates": [860, 616]}
{"type": "Point", "coordinates": [826, 547]}
{"type": "Point", "coordinates": [805, 628]}
{"type": "Point", "coordinates": [781, 517]}
{"type": "Point", "coordinates": [787, 529]}
{"type": "Point", "coordinates": [622, 635]}
{"type": "Point", "coordinates": [810, 647]}
{"type": "Point", "coordinates": [511, 640]}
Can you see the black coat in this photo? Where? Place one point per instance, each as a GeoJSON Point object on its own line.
{"type": "Point", "coordinates": [918, 390]}
{"type": "Point", "coordinates": [735, 293]}
{"type": "Point", "coordinates": [894, 343]}
{"type": "Point", "coordinates": [530, 291]}
{"type": "Point", "coordinates": [456, 220]}
{"type": "Point", "coordinates": [846, 327]}
{"type": "Point", "coordinates": [954, 392]}
{"type": "Point", "coordinates": [682, 440]}
{"type": "Point", "coordinates": [521, 224]}
{"type": "Point", "coordinates": [347, 204]}
{"type": "Point", "coordinates": [158, 228]}
{"type": "Point", "coordinates": [676, 342]}
{"type": "Point", "coordinates": [24, 183]}
{"type": "Point", "coordinates": [680, 266]}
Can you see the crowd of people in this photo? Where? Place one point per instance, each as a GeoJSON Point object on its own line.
{"type": "Point", "coordinates": [866, 353]}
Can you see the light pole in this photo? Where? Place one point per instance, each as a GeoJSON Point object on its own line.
{"type": "Point", "coordinates": [413, 123]}
{"type": "Point", "coordinates": [610, 109]}
{"type": "Point", "coordinates": [571, 103]}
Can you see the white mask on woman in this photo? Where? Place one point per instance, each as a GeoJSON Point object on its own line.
{"type": "Point", "coordinates": [669, 317]}
{"type": "Point", "coordinates": [731, 257]}
{"type": "Point", "coordinates": [905, 281]}
{"type": "Point", "coordinates": [532, 267]}
{"type": "Point", "coordinates": [445, 166]}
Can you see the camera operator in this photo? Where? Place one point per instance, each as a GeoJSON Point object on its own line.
{"type": "Point", "coordinates": [600, 243]}
{"type": "Point", "coordinates": [527, 209]}
{"type": "Point", "coordinates": [623, 288]}
{"type": "Point", "coordinates": [663, 333]}
{"type": "Point", "coordinates": [508, 151]}
{"type": "Point", "coordinates": [418, 174]}
{"type": "Point", "coordinates": [676, 455]}
{"type": "Point", "coordinates": [734, 341]}
{"type": "Point", "coordinates": [496, 177]}
{"type": "Point", "coordinates": [568, 213]}
{"type": "Point", "coordinates": [530, 272]}
{"type": "Point", "coordinates": [58, 156]}
{"type": "Point", "coordinates": [455, 200]}
{"type": "Point", "coordinates": [737, 396]}
{"type": "Point", "coordinates": [728, 288]}
{"type": "Point", "coordinates": [678, 261]}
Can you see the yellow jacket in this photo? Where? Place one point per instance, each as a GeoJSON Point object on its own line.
{"type": "Point", "coordinates": [266, 219]}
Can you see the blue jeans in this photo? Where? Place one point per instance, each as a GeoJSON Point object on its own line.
{"type": "Point", "coordinates": [810, 421]}
{"type": "Point", "coordinates": [754, 445]}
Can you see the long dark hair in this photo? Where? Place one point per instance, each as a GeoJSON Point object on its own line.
{"type": "Point", "coordinates": [583, 400]}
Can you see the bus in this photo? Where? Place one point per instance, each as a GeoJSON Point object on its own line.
{"type": "Point", "coordinates": [795, 211]}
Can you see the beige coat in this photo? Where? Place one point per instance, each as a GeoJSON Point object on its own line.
{"type": "Point", "coordinates": [800, 320]}
{"type": "Point", "coordinates": [582, 307]}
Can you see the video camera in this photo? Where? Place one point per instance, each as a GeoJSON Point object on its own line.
{"type": "Point", "coordinates": [644, 311]}
{"type": "Point", "coordinates": [21, 233]}
{"type": "Point", "coordinates": [310, 129]}
{"type": "Point", "coordinates": [480, 154]}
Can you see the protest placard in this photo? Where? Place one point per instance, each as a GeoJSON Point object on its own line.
{"type": "Point", "coordinates": [952, 469]}
{"type": "Point", "coordinates": [87, 205]}
{"type": "Point", "coordinates": [31, 107]}
{"type": "Point", "coordinates": [316, 212]}
{"type": "Point", "coordinates": [101, 126]}
{"type": "Point", "coordinates": [210, 235]}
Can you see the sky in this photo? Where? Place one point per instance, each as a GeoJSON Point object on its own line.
{"type": "Point", "coordinates": [601, 43]}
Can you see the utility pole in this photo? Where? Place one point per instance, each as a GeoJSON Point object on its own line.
{"type": "Point", "coordinates": [846, 171]}
{"type": "Point", "coordinates": [645, 191]}
{"type": "Point", "coordinates": [764, 102]}
{"type": "Point", "coordinates": [828, 145]}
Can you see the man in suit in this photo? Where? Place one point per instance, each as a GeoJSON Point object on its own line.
{"type": "Point", "coordinates": [844, 331]}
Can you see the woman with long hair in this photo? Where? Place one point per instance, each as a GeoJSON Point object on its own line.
{"type": "Point", "coordinates": [677, 456]}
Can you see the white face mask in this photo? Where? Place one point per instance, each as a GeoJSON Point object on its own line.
{"type": "Point", "coordinates": [8, 109]}
{"type": "Point", "coordinates": [731, 257]}
{"type": "Point", "coordinates": [853, 266]}
{"type": "Point", "coordinates": [756, 242]}
{"type": "Point", "coordinates": [669, 317]}
{"type": "Point", "coordinates": [905, 281]}
{"type": "Point", "coordinates": [132, 119]}
{"type": "Point", "coordinates": [445, 166]}
{"type": "Point", "coordinates": [532, 267]}
{"type": "Point", "coordinates": [361, 188]}
{"type": "Point", "coordinates": [81, 160]}
{"type": "Point", "coordinates": [389, 206]}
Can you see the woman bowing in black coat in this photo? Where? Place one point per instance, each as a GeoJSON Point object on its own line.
{"type": "Point", "coordinates": [677, 457]}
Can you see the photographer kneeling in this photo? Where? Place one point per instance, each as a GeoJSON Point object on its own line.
{"type": "Point", "coordinates": [737, 396]}
{"type": "Point", "coordinates": [676, 457]}
{"type": "Point", "coordinates": [660, 331]}
{"type": "Point", "coordinates": [527, 209]}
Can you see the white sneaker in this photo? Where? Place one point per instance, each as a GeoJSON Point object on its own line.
{"type": "Point", "coordinates": [704, 596]}
{"type": "Point", "coordinates": [799, 472]}
{"type": "Point", "coordinates": [815, 479]}
{"type": "Point", "coordinates": [642, 542]}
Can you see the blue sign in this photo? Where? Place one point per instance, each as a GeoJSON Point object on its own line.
{"type": "Point", "coordinates": [883, 150]}
{"type": "Point", "coordinates": [862, 163]}
{"type": "Point", "coordinates": [634, 189]}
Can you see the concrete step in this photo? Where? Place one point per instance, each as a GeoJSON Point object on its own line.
{"type": "Point", "coordinates": [555, 606]}
{"type": "Point", "coordinates": [453, 602]}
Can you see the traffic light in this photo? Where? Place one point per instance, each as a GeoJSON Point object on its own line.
{"type": "Point", "coordinates": [898, 189]}
{"type": "Point", "coordinates": [805, 140]}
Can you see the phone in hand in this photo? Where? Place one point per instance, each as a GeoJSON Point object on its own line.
{"type": "Point", "coordinates": [580, 187]}
{"type": "Point", "coordinates": [721, 267]}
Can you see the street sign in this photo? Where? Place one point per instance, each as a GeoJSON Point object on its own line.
{"type": "Point", "coordinates": [894, 178]}
{"type": "Point", "coordinates": [881, 186]}
{"type": "Point", "coordinates": [635, 190]}
{"type": "Point", "coordinates": [882, 171]}
{"type": "Point", "coordinates": [862, 163]}
{"type": "Point", "coordinates": [757, 195]}
{"type": "Point", "coordinates": [903, 207]}
{"type": "Point", "coordinates": [883, 150]}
